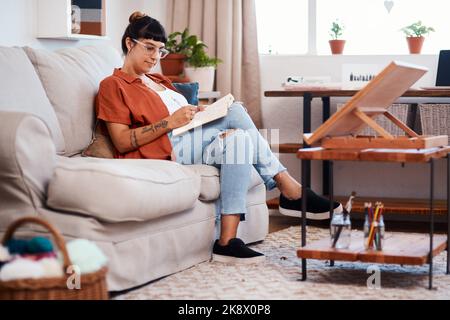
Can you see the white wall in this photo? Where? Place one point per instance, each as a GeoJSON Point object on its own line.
{"type": "Point", "coordinates": [367, 179]}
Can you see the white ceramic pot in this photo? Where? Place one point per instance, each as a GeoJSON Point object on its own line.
{"type": "Point", "coordinates": [204, 76]}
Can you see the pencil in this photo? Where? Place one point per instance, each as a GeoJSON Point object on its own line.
{"type": "Point", "coordinates": [372, 227]}
{"type": "Point", "coordinates": [380, 213]}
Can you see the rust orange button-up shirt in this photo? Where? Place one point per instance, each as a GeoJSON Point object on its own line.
{"type": "Point", "coordinates": [125, 99]}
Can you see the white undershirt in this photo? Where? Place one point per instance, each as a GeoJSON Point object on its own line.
{"type": "Point", "coordinates": [172, 99]}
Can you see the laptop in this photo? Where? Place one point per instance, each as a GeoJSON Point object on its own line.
{"type": "Point", "coordinates": [443, 72]}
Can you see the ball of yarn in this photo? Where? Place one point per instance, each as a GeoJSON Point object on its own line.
{"type": "Point", "coordinates": [17, 246]}
{"type": "Point", "coordinates": [21, 269]}
{"type": "Point", "coordinates": [38, 256]}
{"type": "Point", "coordinates": [39, 245]}
{"type": "Point", "coordinates": [4, 254]}
{"type": "Point", "coordinates": [35, 245]}
{"type": "Point", "coordinates": [52, 267]}
{"type": "Point", "coordinates": [86, 255]}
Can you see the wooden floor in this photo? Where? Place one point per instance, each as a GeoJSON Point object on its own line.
{"type": "Point", "coordinates": [277, 223]}
{"type": "Point", "coordinates": [391, 205]}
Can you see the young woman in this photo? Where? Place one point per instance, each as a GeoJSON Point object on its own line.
{"type": "Point", "coordinates": [141, 109]}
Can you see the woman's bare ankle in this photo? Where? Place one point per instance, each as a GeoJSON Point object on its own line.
{"type": "Point", "coordinates": [288, 186]}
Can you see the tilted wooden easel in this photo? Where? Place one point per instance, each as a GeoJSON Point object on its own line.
{"type": "Point", "coordinates": [340, 131]}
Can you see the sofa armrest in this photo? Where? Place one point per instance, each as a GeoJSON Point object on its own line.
{"type": "Point", "coordinates": [27, 160]}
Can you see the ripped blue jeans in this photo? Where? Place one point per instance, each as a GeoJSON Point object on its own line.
{"type": "Point", "coordinates": [233, 154]}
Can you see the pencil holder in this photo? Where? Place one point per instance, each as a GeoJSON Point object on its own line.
{"type": "Point", "coordinates": [374, 234]}
{"type": "Point", "coordinates": [340, 231]}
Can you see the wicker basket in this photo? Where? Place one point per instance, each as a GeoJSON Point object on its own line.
{"type": "Point", "coordinates": [93, 285]}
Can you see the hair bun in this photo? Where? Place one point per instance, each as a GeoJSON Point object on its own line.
{"type": "Point", "coordinates": [136, 16]}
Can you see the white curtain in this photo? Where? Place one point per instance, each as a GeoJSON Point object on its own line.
{"type": "Point", "coordinates": [228, 28]}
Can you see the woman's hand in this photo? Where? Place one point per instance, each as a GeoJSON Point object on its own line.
{"type": "Point", "coordinates": [182, 116]}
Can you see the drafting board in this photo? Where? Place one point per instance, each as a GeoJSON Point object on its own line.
{"type": "Point", "coordinates": [372, 100]}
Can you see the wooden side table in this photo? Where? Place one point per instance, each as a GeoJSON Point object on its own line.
{"type": "Point", "coordinates": [308, 95]}
{"type": "Point", "coordinates": [210, 97]}
{"type": "Point", "coordinates": [397, 248]}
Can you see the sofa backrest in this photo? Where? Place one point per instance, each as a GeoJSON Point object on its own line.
{"type": "Point", "coordinates": [71, 77]}
{"type": "Point", "coordinates": [21, 90]}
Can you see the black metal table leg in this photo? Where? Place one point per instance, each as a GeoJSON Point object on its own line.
{"type": "Point", "coordinates": [304, 177]}
{"type": "Point", "coordinates": [331, 194]}
{"type": "Point", "coordinates": [325, 164]}
{"type": "Point", "coordinates": [430, 257]}
{"type": "Point", "coordinates": [307, 98]}
{"type": "Point", "coordinates": [448, 213]}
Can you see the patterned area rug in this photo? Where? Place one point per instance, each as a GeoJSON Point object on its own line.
{"type": "Point", "coordinates": [279, 277]}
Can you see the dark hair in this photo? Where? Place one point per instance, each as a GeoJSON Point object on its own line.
{"type": "Point", "coordinates": [143, 26]}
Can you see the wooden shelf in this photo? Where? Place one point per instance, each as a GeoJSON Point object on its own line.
{"type": "Point", "coordinates": [54, 20]}
{"type": "Point", "coordinates": [375, 155]}
{"type": "Point", "coordinates": [287, 147]}
{"type": "Point", "coordinates": [273, 203]}
{"type": "Point", "coordinates": [76, 37]}
{"type": "Point", "coordinates": [391, 205]}
{"type": "Point", "coordinates": [408, 249]}
{"type": "Point", "coordinates": [209, 95]}
{"type": "Point", "coordinates": [437, 93]}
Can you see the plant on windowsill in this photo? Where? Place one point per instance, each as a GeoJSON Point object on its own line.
{"type": "Point", "coordinates": [415, 36]}
{"type": "Point", "coordinates": [200, 67]}
{"type": "Point", "coordinates": [336, 44]}
{"type": "Point", "coordinates": [179, 44]}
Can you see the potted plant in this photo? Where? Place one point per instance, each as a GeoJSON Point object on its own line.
{"type": "Point", "coordinates": [415, 36]}
{"type": "Point", "coordinates": [179, 44]}
{"type": "Point", "coordinates": [336, 44]}
{"type": "Point", "coordinates": [200, 67]}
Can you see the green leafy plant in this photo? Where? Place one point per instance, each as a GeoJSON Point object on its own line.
{"type": "Point", "coordinates": [199, 58]}
{"type": "Point", "coordinates": [181, 42]}
{"type": "Point", "coordinates": [192, 47]}
{"type": "Point", "coordinates": [417, 29]}
{"type": "Point", "coordinates": [336, 30]}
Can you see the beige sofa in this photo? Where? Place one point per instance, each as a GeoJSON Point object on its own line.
{"type": "Point", "coordinates": [150, 217]}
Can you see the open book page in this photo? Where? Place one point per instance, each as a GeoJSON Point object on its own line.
{"type": "Point", "coordinates": [212, 112]}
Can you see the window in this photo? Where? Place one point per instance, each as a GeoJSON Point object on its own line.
{"type": "Point", "coordinates": [282, 26]}
{"type": "Point", "coordinates": [369, 27]}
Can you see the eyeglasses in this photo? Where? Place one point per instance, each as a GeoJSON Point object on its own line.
{"type": "Point", "coordinates": [151, 49]}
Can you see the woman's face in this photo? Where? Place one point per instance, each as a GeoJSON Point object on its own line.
{"type": "Point", "coordinates": [144, 53]}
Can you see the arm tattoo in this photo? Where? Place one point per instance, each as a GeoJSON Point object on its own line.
{"type": "Point", "coordinates": [134, 139]}
{"type": "Point", "coordinates": [155, 127]}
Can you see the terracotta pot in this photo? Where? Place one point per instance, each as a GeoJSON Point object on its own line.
{"type": "Point", "coordinates": [415, 44]}
{"type": "Point", "coordinates": [337, 46]}
{"type": "Point", "coordinates": [173, 64]}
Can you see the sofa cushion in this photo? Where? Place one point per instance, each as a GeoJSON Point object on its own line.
{"type": "Point", "coordinates": [71, 77]}
{"type": "Point", "coordinates": [22, 91]}
{"type": "Point", "coordinates": [189, 90]}
{"type": "Point", "coordinates": [101, 145]}
{"type": "Point", "coordinates": [117, 190]}
{"type": "Point", "coordinates": [210, 186]}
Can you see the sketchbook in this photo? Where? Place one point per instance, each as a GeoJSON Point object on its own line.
{"type": "Point", "coordinates": [212, 112]}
